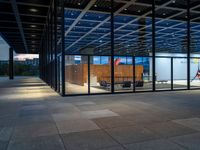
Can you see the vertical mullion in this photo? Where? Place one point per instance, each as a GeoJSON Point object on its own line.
{"type": "Point", "coordinates": [11, 62]}
{"type": "Point", "coordinates": [172, 68]}
{"type": "Point", "coordinates": [63, 49]}
{"type": "Point", "coordinates": [153, 46]}
{"type": "Point", "coordinates": [112, 47]}
{"type": "Point", "coordinates": [188, 47]}
{"type": "Point", "coordinates": [51, 48]}
{"type": "Point", "coordinates": [55, 43]}
{"type": "Point", "coordinates": [88, 74]}
{"type": "Point", "coordinates": [134, 73]}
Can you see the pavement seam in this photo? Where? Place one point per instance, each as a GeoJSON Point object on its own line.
{"type": "Point", "coordinates": [113, 138]}
{"type": "Point", "coordinates": [60, 135]}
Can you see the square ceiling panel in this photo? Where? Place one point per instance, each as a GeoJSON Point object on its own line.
{"type": "Point", "coordinates": [178, 4]}
{"type": "Point", "coordinates": [145, 1]}
{"type": "Point", "coordinates": [161, 2]}
{"type": "Point", "coordinates": [34, 2]}
{"type": "Point", "coordinates": [137, 10]}
{"type": "Point", "coordinates": [165, 13]}
{"type": "Point", "coordinates": [39, 11]}
{"type": "Point", "coordinates": [78, 4]}
{"type": "Point", "coordinates": [182, 17]}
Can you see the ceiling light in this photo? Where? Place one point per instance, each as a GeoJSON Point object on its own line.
{"type": "Point", "coordinates": [33, 10]}
{"type": "Point", "coordinates": [139, 11]}
{"type": "Point", "coordinates": [173, 1]}
{"type": "Point", "coordinates": [79, 4]}
{"type": "Point", "coordinates": [164, 14]}
{"type": "Point", "coordinates": [125, 9]}
{"type": "Point", "coordinates": [33, 35]}
{"type": "Point", "coordinates": [33, 26]}
{"type": "Point", "coordinates": [95, 5]}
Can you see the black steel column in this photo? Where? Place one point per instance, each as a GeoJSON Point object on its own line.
{"type": "Point", "coordinates": [172, 77]}
{"type": "Point", "coordinates": [63, 49]}
{"type": "Point", "coordinates": [112, 48]}
{"type": "Point", "coordinates": [11, 64]}
{"type": "Point", "coordinates": [188, 45]}
{"type": "Point", "coordinates": [134, 73]}
{"type": "Point", "coordinates": [88, 74]}
{"type": "Point", "coordinates": [55, 43]}
{"type": "Point", "coordinates": [153, 48]}
{"type": "Point", "coordinates": [51, 48]}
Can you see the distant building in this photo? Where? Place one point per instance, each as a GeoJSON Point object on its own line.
{"type": "Point", "coordinates": [33, 62]}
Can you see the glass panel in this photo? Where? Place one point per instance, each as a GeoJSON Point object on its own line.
{"type": "Point", "coordinates": [143, 73]}
{"type": "Point", "coordinates": [4, 66]}
{"type": "Point", "coordinates": [26, 65]}
{"type": "Point", "coordinates": [195, 72]}
{"type": "Point", "coordinates": [171, 41]}
{"type": "Point", "coordinates": [87, 29]}
{"type": "Point", "coordinates": [163, 73]}
{"type": "Point", "coordinates": [76, 74]}
{"type": "Point", "coordinates": [179, 73]}
{"type": "Point", "coordinates": [100, 74]}
{"type": "Point", "coordinates": [123, 76]}
{"type": "Point", "coordinates": [59, 44]}
{"type": "Point", "coordinates": [4, 57]}
{"type": "Point", "coordinates": [88, 32]}
{"type": "Point", "coordinates": [171, 28]}
{"type": "Point", "coordinates": [133, 28]}
{"type": "Point", "coordinates": [195, 44]}
{"type": "Point", "coordinates": [59, 74]}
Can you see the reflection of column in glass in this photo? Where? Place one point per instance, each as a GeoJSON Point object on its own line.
{"type": "Point", "coordinates": [141, 37]}
{"type": "Point", "coordinates": [185, 45]}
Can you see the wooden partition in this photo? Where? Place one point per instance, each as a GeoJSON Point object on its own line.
{"type": "Point", "coordinates": [78, 74]}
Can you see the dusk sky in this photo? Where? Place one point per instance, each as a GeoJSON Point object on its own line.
{"type": "Point", "coordinates": [4, 52]}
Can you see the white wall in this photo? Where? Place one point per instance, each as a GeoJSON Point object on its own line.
{"type": "Point", "coordinates": [163, 66]}
{"type": "Point", "coordinates": [180, 68]}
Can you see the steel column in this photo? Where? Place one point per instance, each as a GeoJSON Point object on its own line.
{"type": "Point", "coordinates": [11, 64]}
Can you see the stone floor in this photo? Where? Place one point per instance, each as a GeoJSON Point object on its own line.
{"type": "Point", "coordinates": [34, 117]}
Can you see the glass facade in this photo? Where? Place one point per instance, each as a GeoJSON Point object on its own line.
{"type": "Point", "coordinates": [112, 46]}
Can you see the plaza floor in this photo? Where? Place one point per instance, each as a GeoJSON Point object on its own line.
{"type": "Point", "coordinates": [34, 117]}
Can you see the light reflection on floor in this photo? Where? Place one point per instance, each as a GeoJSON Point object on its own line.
{"type": "Point", "coordinates": [178, 84]}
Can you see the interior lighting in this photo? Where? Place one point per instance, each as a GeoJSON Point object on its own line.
{"type": "Point", "coordinates": [33, 10]}
{"type": "Point", "coordinates": [33, 26]}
